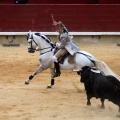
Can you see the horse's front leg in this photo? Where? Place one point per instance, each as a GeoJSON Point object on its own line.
{"type": "Point", "coordinates": [52, 78]}
{"type": "Point", "coordinates": [39, 69]}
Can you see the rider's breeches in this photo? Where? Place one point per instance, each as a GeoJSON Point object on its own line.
{"type": "Point", "coordinates": [59, 54]}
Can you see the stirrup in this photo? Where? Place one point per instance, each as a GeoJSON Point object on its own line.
{"type": "Point", "coordinates": [57, 74]}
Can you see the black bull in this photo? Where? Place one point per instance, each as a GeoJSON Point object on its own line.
{"type": "Point", "coordinates": [100, 86]}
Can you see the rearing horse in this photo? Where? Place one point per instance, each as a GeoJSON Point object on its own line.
{"type": "Point", "coordinates": [45, 46]}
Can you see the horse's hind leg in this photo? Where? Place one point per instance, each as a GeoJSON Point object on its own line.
{"type": "Point", "coordinates": [39, 69]}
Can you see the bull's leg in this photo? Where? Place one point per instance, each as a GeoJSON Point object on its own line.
{"type": "Point", "coordinates": [119, 107]}
{"type": "Point", "coordinates": [39, 69]}
{"type": "Point", "coordinates": [88, 100]}
{"type": "Point", "coordinates": [102, 105]}
{"type": "Point", "coordinates": [52, 78]}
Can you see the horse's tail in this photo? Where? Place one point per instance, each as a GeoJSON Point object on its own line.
{"type": "Point", "coordinates": [106, 70]}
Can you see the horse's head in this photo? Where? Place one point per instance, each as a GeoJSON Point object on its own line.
{"type": "Point", "coordinates": [32, 44]}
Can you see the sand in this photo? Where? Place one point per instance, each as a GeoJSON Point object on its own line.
{"type": "Point", "coordinates": [67, 98]}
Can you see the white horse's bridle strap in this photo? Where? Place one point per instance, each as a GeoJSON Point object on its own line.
{"type": "Point", "coordinates": [35, 42]}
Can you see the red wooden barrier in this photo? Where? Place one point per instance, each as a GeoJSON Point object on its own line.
{"type": "Point", "coordinates": [83, 18]}
{"type": "Point", "coordinates": [109, 1]}
{"type": "Point", "coordinates": [6, 1]}
{"type": "Point", "coordinates": [57, 1]}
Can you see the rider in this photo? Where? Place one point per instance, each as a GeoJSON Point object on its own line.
{"type": "Point", "coordinates": [65, 41]}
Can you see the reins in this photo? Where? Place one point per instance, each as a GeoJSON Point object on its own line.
{"type": "Point", "coordinates": [45, 52]}
{"type": "Point", "coordinates": [43, 48]}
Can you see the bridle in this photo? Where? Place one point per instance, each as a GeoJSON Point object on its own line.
{"type": "Point", "coordinates": [32, 40]}
{"type": "Point", "coordinates": [33, 49]}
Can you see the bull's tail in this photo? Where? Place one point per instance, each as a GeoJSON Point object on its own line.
{"type": "Point", "coordinates": [106, 70]}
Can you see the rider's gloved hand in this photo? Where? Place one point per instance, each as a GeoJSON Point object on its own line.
{"type": "Point", "coordinates": [53, 50]}
{"type": "Point", "coordinates": [57, 44]}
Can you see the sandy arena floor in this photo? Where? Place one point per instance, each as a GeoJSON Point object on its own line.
{"type": "Point", "coordinates": [65, 101]}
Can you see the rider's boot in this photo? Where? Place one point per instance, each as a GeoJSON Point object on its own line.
{"type": "Point", "coordinates": [57, 68]}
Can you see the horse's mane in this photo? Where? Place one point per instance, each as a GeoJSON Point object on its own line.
{"type": "Point", "coordinates": [46, 39]}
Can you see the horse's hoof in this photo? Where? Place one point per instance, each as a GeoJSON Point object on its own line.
{"type": "Point", "coordinates": [26, 83]}
{"type": "Point", "coordinates": [49, 86]}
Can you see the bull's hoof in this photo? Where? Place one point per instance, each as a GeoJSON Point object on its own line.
{"type": "Point", "coordinates": [119, 110]}
{"type": "Point", "coordinates": [88, 103]}
{"type": "Point", "coordinates": [102, 106]}
{"type": "Point", "coordinates": [26, 83]}
{"type": "Point", "coordinates": [49, 86]}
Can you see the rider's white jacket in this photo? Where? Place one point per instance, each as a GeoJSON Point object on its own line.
{"type": "Point", "coordinates": [65, 41]}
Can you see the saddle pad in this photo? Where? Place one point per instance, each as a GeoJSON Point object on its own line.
{"type": "Point", "coordinates": [71, 59]}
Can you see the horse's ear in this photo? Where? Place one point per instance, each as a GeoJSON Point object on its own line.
{"type": "Point", "coordinates": [28, 36]}
{"type": "Point", "coordinates": [29, 32]}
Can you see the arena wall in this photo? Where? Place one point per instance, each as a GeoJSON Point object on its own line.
{"type": "Point", "coordinates": [22, 39]}
{"type": "Point", "coordinates": [77, 18]}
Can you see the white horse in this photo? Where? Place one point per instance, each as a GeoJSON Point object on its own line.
{"type": "Point", "coordinates": [45, 46]}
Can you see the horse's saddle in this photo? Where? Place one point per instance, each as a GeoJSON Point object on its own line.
{"type": "Point", "coordinates": [70, 58]}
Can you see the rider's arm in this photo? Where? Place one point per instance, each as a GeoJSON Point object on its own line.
{"type": "Point", "coordinates": [64, 39]}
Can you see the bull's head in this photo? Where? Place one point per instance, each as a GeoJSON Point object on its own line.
{"type": "Point", "coordinates": [82, 73]}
